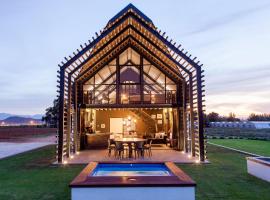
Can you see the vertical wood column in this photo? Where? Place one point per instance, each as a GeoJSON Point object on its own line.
{"type": "Point", "coordinates": [141, 78]}
{"type": "Point", "coordinates": [75, 118]}
{"type": "Point", "coordinates": [179, 117]}
{"type": "Point", "coordinates": [68, 116]}
{"type": "Point", "coordinates": [200, 112]}
{"type": "Point", "coordinates": [61, 116]}
{"type": "Point", "coordinates": [81, 116]}
{"type": "Point", "coordinates": [191, 116]}
{"type": "Point", "coordinates": [118, 99]}
{"type": "Point", "coordinates": [184, 118]}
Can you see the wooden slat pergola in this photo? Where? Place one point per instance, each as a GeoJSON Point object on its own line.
{"type": "Point", "coordinates": [130, 28]}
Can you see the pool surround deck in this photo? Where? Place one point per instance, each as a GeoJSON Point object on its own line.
{"type": "Point", "coordinates": [178, 179]}
{"type": "Point", "coordinates": [258, 160]}
{"type": "Point", "coordinates": [162, 154]}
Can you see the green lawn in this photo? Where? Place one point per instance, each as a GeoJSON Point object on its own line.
{"type": "Point", "coordinates": [253, 146]}
{"type": "Point", "coordinates": [30, 176]}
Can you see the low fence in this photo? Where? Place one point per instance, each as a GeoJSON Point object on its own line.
{"type": "Point", "coordinates": [13, 132]}
{"type": "Point", "coordinates": [260, 134]}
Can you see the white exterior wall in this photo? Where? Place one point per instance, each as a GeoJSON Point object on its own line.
{"type": "Point", "coordinates": [259, 170]}
{"type": "Point", "coordinates": [134, 193]}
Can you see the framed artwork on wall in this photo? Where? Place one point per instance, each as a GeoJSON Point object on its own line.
{"type": "Point", "coordinates": [159, 116]}
{"type": "Point", "coordinates": [153, 116]}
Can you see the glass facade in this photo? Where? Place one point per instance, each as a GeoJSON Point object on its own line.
{"type": "Point", "coordinates": [139, 83]}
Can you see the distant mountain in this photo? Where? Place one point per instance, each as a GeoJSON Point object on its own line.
{"type": "Point", "coordinates": [17, 120]}
{"type": "Point", "coordinates": [6, 115]}
{"type": "Point", "coordinates": [37, 116]}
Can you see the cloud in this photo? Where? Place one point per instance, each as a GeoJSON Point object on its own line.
{"type": "Point", "coordinates": [227, 19]}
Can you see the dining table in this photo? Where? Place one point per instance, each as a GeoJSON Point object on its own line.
{"type": "Point", "coordinates": [129, 141]}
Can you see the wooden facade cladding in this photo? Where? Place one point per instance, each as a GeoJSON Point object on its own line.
{"type": "Point", "coordinates": [129, 28]}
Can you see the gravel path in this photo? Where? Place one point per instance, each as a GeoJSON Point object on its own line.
{"type": "Point", "coordinates": [10, 148]}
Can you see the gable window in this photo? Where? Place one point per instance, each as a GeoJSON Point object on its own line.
{"type": "Point", "coordinates": [139, 83]}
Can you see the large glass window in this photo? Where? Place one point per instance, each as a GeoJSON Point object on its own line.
{"type": "Point", "coordinates": [138, 83]}
{"type": "Point", "coordinates": [158, 88]}
{"type": "Point", "coordinates": [101, 88]}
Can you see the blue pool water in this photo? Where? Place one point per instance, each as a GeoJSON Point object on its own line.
{"type": "Point", "coordinates": [265, 159]}
{"type": "Point", "coordinates": [131, 170]}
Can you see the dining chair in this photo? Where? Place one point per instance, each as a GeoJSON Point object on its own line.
{"type": "Point", "coordinates": [139, 149]}
{"type": "Point", "coordinates": [148, 147]}
{"type": "Point", "coordinates": [111, 146]}
{"type": "Point", "coordinates": [120, 149]}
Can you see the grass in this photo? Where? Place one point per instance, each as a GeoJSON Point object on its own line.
{"type": "Point", "coordinates": [251, 146]}
{"type": "Point", "coordinates": [226, 177]}
{"type": "Point", "coordinates": [31, 176]}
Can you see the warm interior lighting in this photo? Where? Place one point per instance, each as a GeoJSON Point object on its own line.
{"type": "Point", "coordinates": [129, 118]}
{"type": "Point", "coordinates": [71, 156]}
{"type": "Point", "coordinates": [197, 161]}
{"type": "Point", "coordinates": [183, 152]}
{"type": "Point", "coordinates": [77, 152]}
{"type": "Point", "coordinates": [189, 156]}
{"type": "Point", "coordinates": [65, 162]}
{"type": "Point", "coordinates": [135, 120]}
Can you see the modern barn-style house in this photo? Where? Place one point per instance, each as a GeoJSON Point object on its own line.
{"type": "Point", "coordinates": [130, 81]}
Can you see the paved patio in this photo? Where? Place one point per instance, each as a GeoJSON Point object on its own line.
{"type": "Point", "coordinates": [159, 154]}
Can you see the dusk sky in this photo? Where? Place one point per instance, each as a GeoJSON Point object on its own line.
{"type": "Point", "coordinates": [230, 37]}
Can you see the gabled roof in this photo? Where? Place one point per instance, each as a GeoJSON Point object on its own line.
{"type": "Point", "coordinates": [127, 22]}
{"type": "Point", "coordinates": [128, 8]}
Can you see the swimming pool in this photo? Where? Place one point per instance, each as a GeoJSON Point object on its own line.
{"type": "Point", "coordinates": [133, 181]}
{"type": "Point", "coordinates": [259, 167]}
{"type": "Point", "coordinates": [127, 169]}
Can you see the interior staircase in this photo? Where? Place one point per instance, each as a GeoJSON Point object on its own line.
{"type": "Point", "coordinates": [147, 119]}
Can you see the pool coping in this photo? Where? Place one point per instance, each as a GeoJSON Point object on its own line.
{"type": "Point", "coordinates": [179, 178]}
{"type": "Point", "coordinates": [255, 159]}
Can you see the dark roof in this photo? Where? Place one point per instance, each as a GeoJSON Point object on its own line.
{"type": "Point", "coordinates": [130, 6]}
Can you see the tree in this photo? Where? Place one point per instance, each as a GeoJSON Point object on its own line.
{"type": "Point", "coordinates": [213, 117]}
{"type": "Point", "coordinates": [232, 117]}
{"type": "Point", "coordinates": [259, 117]}
{"type": "Point", "coordinates": [51, 115]}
